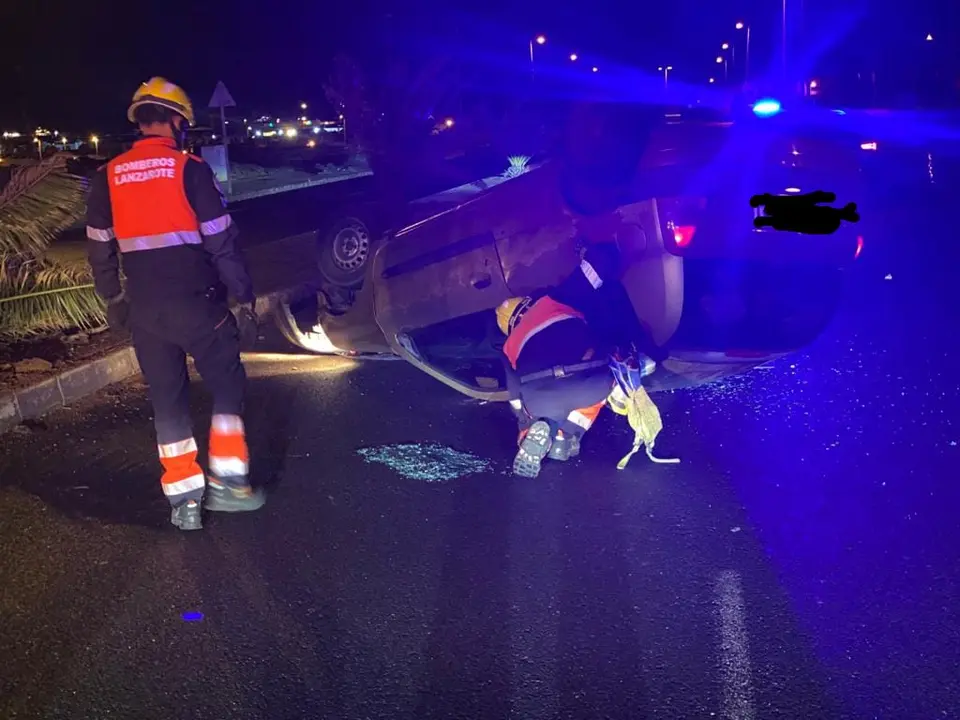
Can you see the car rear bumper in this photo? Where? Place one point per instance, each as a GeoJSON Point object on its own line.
{"type": "Point", "coordinates": [756, 308]}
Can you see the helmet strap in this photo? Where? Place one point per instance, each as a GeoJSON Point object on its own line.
{"type": "Point", "coordinates": [179, 134]}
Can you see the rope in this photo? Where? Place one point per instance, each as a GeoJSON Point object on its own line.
{"type": "Point", "coordinates": [644, 418]}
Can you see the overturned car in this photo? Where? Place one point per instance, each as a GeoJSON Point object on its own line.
{"type": "Point", "coordinates": [720, 293]}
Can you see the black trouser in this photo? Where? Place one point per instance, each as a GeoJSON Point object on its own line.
{"type": "Point", "coordinates": [163, 335]}
{"type": "Point", "coordinates": [554, 399]}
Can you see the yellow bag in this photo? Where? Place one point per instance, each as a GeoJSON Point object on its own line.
{"type": "Point", "coordinates": [644, 418]}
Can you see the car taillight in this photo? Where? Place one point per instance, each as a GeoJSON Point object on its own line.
{"type": "Point", "coordinates": [683, 234]}
{"type": "Point", "coordinates": [859, 247]}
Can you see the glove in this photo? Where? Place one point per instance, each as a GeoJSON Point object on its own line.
{"type": "Point", "coordinates": [118, 314]}
{"type": "Point", "coordinates": [246, 325]}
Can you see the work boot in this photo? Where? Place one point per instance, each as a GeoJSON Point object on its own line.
{"type": "Point", "coordinates": [233, 495]}
{"type": "Point", "coordinates": [186, 515]}
{"type": "Point", "coordinates": [564, 447]}
{"type": "Point", "coordinates": [534, 448]}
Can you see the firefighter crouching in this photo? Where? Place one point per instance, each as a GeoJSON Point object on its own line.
{"type": "Point", "coordinates": [163, 213]}
{"type": "Point", "coordinates": [558, 352]}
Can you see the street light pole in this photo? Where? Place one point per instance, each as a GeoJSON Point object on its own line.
{"type": "Point", "coordinates": [722, 59]}
{"type": "Point", "coordinates": [746, 57]}
{"type": "Point", "coordinates": [665, 69]}
{"type": "Point", "coordinates": [783, 41]}
{"type": "Point", "coordinates": [539, 40]}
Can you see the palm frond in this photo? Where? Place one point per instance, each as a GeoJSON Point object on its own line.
{"type": "Point", "coordinates": [38, 202]}
{"type": "Point", "coordinates": [38, 297]}
{"type": "Point", "coordinates": [518, 166]}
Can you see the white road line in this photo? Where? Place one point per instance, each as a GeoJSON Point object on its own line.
{"type": "Point", "coordinates": [738, 703]}
{"type": "Point", "coordinates": [534, 620]}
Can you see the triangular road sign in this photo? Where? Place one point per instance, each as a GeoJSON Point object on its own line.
{"type": "Point", "coordinates": [221, 97]}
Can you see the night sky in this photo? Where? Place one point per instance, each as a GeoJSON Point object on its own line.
{"type": "Point", "coordinates": [75, 65]}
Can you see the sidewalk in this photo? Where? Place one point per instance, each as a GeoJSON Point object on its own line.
{"type": "Point", "coordinates": [274, 268]}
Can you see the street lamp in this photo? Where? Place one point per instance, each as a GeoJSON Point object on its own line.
{"type": "Point", "coordinates": [746, 58]}
{"type": "Point", "coordinates": [595, 68]}
{"type": "Point", "coordinates": [539, 40]}
{"type": "Point", "coordinates": [448, 122]}
{"type": "Point", "coordinates": [573, 57]}
{"type": "Point", "coordinates": [303, 106]}
{"type": "Point", "coordinates": [96, 145]}
{"type": "Point", "coordinates": [665, 69]}
{"type": "Point", "coordinates": [711, 80]}
{"type": "Point", "coordinates": [733, 52]}
{"type": "Point", "coordinates": [722, 60]}
{"type": "Point", "coordinates": [929, 37]}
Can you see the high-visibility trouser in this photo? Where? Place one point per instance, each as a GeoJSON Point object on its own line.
{"type": "Point", "coordinates": [182, 477]}
{"type": "Point", "coordinates": [576, 423]}
{"type": "Point", "coordinates": [229, 456]}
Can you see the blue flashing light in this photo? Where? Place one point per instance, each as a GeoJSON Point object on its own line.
{"type": "Point", "coordinates": [192, 616]}
{"type": "Point", "coordinates": [766, 108]}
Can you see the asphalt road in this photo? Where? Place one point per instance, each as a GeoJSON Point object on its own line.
{"type": "Point", "coordinates": [801, 561]}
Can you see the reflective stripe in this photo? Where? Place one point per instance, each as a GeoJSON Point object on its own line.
{"type": "Point", "coordinates": [217, 225]}
{"type": "Point", "coordinates": [163, 240]}
{"type": "Point", "coordinates": [590, 274]}
{"type": "Point", "coordinates": [516, 404]}
{"type": "Point", "coordinates": [176, 449]}
{"type": "Point", "coordinates": [224, 467]}
{"type": "Point", "coordinates": [227, 424]}
{"type": "Point", "coordinates": [543, 326]}
{"type": "Point", "coordinates": [194, 482]}
{"type": "Point", "coordinates": [580, 420]}
{"type": "Point", "coordinates": [100, 234]}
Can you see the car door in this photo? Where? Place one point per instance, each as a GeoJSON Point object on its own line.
{"type": "Point", "coordinates": [442, 272]}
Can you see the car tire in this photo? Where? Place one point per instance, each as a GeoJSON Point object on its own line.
{"type": "Point", "coordinates": [345, 248]}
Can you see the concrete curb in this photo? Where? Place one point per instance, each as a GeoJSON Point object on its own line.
{"type": "Point", "coordinates": [67, 387]}
{"type": "Point", "coordinates": [71, 385]}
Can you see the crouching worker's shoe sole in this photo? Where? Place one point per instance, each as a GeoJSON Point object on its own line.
{"type": "Point", "coordinates": [534, 448]}
{"type": "Point", "coordinates": [186, 516]}
{"type": "Point", "coordinates": [240, 498]}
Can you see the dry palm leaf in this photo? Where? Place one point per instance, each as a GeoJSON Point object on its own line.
{"type": "Point", "coordinates": [38, 202]}
{"type": "Point", "coordinates": [38, 297]}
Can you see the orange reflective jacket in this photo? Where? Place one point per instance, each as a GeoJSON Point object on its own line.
{"type": "Point", "coordinates": [148, 198]}
{"type": "Point", "coordinates": [542, 314]}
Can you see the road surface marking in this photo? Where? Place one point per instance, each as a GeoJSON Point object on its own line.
{"type": "Point", "coordinates": [734, 649]}
{"type": "Point", "coordinates": [535, 562]}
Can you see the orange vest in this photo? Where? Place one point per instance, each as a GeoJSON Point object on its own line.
{"type": "Point", "coordinates": [148, 199]}
{"type": "Point", "coordinates": [542, 314]}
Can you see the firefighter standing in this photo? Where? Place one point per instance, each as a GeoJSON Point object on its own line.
{"type": "Point", "coordinates": [558, 351]}
{"type": "Point", "coordinates": [164, 212]}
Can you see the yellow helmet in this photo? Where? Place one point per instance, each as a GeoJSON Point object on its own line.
{"type": "Point", "coordinates": [162, 92]}
{"type": "Point", "coordinates": [510, 311]}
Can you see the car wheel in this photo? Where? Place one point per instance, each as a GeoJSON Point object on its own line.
{"type": "Point", "coordinates": [299, 318]}
{"type": "Point", "coordinates": [345, 249]}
